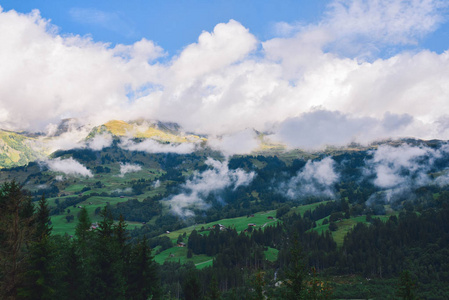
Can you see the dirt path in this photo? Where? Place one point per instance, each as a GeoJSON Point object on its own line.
{"type": "Point", "coordinates": [203, 262]}
{"type": "Point", "coordinates": [275, 220]}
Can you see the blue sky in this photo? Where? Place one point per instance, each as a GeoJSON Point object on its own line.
{"type": "Point", "coordinates": [312, 73]}
{"type": "Point", "coordinates": [171, 24]}
{"type": "Point", "coordinates": [174, 24]}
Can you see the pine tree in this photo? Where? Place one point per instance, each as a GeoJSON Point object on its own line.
{"type": "Point", "coordinates": [108, 280]}
{"type": "Point", "coordinates": [42, 219]}
{"type": "Point", "coordinates": [16, 233]}
{"type": "Point", "coordinates": [143, 280]}
{"type": "Point", "coordinates": [83, 226]}
{"type": "Point", "coordinates": [407, 286]}
{"type": "Point", "coordinates": [39, 276]}
{"type": "Point", "coordinates": [296, 272]}
{"type": "Point", "coordinates": [214, 291]}
{"type": "Point", "coordinates": [192, 286]}
{"type": "Point", "coordinates": [80, 255]}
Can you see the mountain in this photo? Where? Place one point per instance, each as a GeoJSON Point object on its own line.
{"type": "Point", "coordinates": [163, 132]}
{"type": "Point", "coordinates": [20, 148]}
{"type": "Point", "coordinates": [17, 149]}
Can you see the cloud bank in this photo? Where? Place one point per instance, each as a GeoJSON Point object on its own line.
{"type": "Point", "coordinates": [128, 168]}
{"type": "Point", "coordinates": [214, 180]}
{"type": "Point", "coordinates": [400, 170]}
{"type": "Point", "coordinates": [152, 146]}
{"type": "Point", "coordinates": [316, 84]}
{"type": "Point", "coordinates": [317, 178]}
{"type": "Point", "coordinates": [69, 167]}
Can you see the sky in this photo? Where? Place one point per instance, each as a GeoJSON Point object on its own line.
{"type": "Point", "coordinates": [307, 73]}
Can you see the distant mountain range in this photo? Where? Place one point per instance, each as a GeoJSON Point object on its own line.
{"type": "Point", "coordinates": [20, 148]}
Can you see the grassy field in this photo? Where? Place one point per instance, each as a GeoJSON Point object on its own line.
{"type": "Point", "coordinates": [179, 254]}
{"type": "Point", "coordinates": [271, 254]}
{"type": "Point", "coordinates": [344, 226]}
{"type": "Point", "coordinates": [239, 223]}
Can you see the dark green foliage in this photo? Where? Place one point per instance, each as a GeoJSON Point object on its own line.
{"type": "Point", "coordinates": [296, 272]}
{"type": "Point", "coordinates": [406, 286]}
{"type": "Point", "coordinates": [143, 281]}
{"type": "Point", "coordinates": [192, 287]}
{"type": "Point", "coordinates": [39, 281]}
{"type": "Point", "coordinates": [108, 281]}
{"type": "Point", "coordinates": [16, 233]}
{"type": "Point", "coordinates": [333, 226]}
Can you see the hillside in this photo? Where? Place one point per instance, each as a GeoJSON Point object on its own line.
{"type": "Point", "coordinates": [326, 200]}
{"type": "Point", "coordinates": [17, 149]}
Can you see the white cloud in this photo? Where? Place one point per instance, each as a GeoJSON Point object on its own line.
{"type": "Point", "coordinates": [152, 146]}
{"type": "Point", "coordinates": [229, 81]}
{"type": "Point", "coordinates": [402, 166]}
{"type": "Point", "coordinates": [215, 179]}
{"type": "Point", "coordinates": [319, 128]}
{"type": "Point", "coordinates": [128, 168]}
{"type": "Point", "coordinates": [100, 141]}
{"type": "Point", "coordinates": [68, 166]}
{"type": "Point", "coordinates": [242, 142]}
{"type": "Point", "coordinates": [317, 178]}
{"type": "Point", "coordinates": [367, 25]}
{"type": "Point", "coordinates": [400, 170]}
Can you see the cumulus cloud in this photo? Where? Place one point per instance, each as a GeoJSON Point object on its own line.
{"type": "Point", "coordinates": [328, 73]}
{"type": "Point", "coordinates": [321, 128]}
{"type": "Point", "coordinates": [128, 168]}
{"type": "Point", "coordinates": [100, 141]}
{"type": "Point", "coordinates": [214, 180]}
{"type": "Point", "coordinates": [399, 170]}
{"type": "Point", "coordinates": [152, 146]}
{"type": "Point", "coordinates": [317, 178]}
{"type": "Point", "coordinates": [243, 142]}
{"type": "Point", "coordinates": [402, 166]}
{"type": "Point", "coordinates": [69, 167]}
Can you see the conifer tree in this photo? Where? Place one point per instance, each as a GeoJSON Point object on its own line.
{"type": "Point", "coordinates": [143, 281]}
{"type": "Point", "coordinates": [16, 233]}
{"type": "Point", "coordinates": [42, 219]}
{"type": "Point", "coordinates": [108, 280]}
{"type": "Point", "coordinates": [39, 282]}
{"type": "Point", "coordinates": [296, 272]}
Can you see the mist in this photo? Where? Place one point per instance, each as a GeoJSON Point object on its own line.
{"type": "Point", "coordinates": [128, 168]}
{"type": "Point", "coordinates": [317, 178]}
{"type": "Point", "coordinates": [215, 179]}
{"type": "Point", "coordinates": [68, 167]}
{"type": "Point", "coordinates": [152, 146]}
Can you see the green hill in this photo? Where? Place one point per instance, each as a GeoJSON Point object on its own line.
{"type": "Point", "coordinates": [17, 149]}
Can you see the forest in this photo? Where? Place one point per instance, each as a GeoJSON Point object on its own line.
{"type": "Point", "coordinates": [340, 240]}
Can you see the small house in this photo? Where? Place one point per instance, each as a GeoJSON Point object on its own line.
{"type": "Point", "coordinates": [181, 244]}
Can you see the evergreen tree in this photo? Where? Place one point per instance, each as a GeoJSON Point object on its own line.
{"type": "Point", "coordinates": [295, 274]}
{"type": "Point", "coordinates": [39, 276]}
{"type": "Point", "coordinates": [81, 256]}
{"type": "Point", "coordinates": [143, 280]}
{"type": "Point", "coordinates": [16, 233]}
{"type": "Point", "coordinates": [82, 230]}
{"type": "Point", "coordinates": [407, 286]}
{"type": "Point", "coordinates": [42, 219]}
{"type": "Point", "coordinates": [214, 291]}
{"type": "Point", "coordinates": [108, 281]}
{"type": "Point", "coordinates": [192, 286]}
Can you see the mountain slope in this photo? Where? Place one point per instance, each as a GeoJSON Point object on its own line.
{"type": "Point", "coordinates": [16, 149]}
